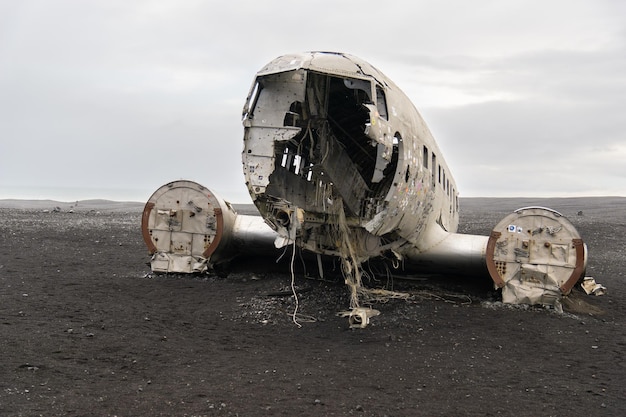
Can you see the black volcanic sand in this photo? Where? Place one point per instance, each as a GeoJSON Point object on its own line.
{"type": "Point", "coordinates": [88, 330]}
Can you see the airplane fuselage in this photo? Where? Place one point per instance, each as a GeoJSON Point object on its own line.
{"type": "Point", "coordinates": [331, 142]}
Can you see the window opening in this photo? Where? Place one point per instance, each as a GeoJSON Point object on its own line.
{"type": "Point", "coordinates": [434, 168]}
{"type": "Point", "coordinates": [253, 97]}
{"type": "Point", "coordinates": [381, 103]}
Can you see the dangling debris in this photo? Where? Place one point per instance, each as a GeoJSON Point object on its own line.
{"type": "Point", "coordinates": [359, 317]}
{"type": "Point", "coordinates": [590, 286]}
{"type": "Point", "coordinates": [350, 263]}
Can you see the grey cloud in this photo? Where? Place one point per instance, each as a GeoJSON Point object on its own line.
{"type": "Point", "coordinates": [117, 94]}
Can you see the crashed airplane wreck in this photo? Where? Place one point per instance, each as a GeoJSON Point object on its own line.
{"type": "Point", "coordinates": [340, 163]}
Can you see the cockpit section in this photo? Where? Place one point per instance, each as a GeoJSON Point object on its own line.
{"type": "Point", "coordinates": [330, 142]}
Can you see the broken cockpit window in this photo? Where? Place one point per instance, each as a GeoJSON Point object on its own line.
{"type": "Point", "coordinates": [381, 103]}
{"type": "Point", "coordinates": [251, 101]}
{"type": "Point", "coordinates": [336, 150]}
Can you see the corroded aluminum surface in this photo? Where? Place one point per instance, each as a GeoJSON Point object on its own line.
{"type": "Point", "coordinates": [535, 255]}
{"type": "Point", "coordinates": [183, 225]}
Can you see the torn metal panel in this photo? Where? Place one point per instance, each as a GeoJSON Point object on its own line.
{"type": "Point", "coordinates": [535, 255]}
{"type": "Point", "coordinates": [532, 284]}
{"type": "Point", "coordinates": [342, 173]}
{"type": "Point", "coordinates": [167, 262]}
{"type": "Point", "coordinates": [284, 90]}
{"type": "Point", "coordinates": [590, 286]}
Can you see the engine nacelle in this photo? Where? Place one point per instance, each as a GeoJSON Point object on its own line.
{"type": "Point", "coordinates": [187, 228]}
{"type": "Point", "coordinates": [535, 255]}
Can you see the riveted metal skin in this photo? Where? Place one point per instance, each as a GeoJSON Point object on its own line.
{"type": "Point", "coordinates": [535, 255]}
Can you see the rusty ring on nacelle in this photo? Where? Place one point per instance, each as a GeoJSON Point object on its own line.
{"type": "Point", "coordinates": [217, 211]}
{"type": "Point", "coordinates": [579, 268]}
{"type": "Point", "coordinates": [147, 238]}
{"type": "Point", "coordinates": [491, 265]}
{"type": "Point", "coordinates": [219, 231]}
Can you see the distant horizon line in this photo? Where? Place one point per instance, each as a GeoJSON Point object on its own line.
{"type": "Point", "coordinates": [71, 194]}
{"type": "Point", "coordinates": [72, 201]}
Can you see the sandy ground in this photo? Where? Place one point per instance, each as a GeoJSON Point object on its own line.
{"type": "Point", "coordinates": [88, 330]}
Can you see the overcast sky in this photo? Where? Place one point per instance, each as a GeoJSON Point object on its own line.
{"type": "Point", "coordinates": [112, 99]}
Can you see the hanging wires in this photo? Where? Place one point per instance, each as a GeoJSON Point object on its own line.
{"type": "Point", "coordinates": [350, 263]}
{"type": "Point", "coordinates": [294, 317]}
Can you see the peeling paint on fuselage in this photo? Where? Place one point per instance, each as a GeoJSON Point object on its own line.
{"type": "Point", "coordinates": [326, 132]}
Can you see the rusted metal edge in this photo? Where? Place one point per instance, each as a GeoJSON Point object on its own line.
{"type": "Point", "coordinates": [218, 233]}
{"type": "Point", "coordinates": [491, 266]}
{"type": "Point", "coordinates": [147, 238]}
{"type": "Point", "coordinates": [579, 269]}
